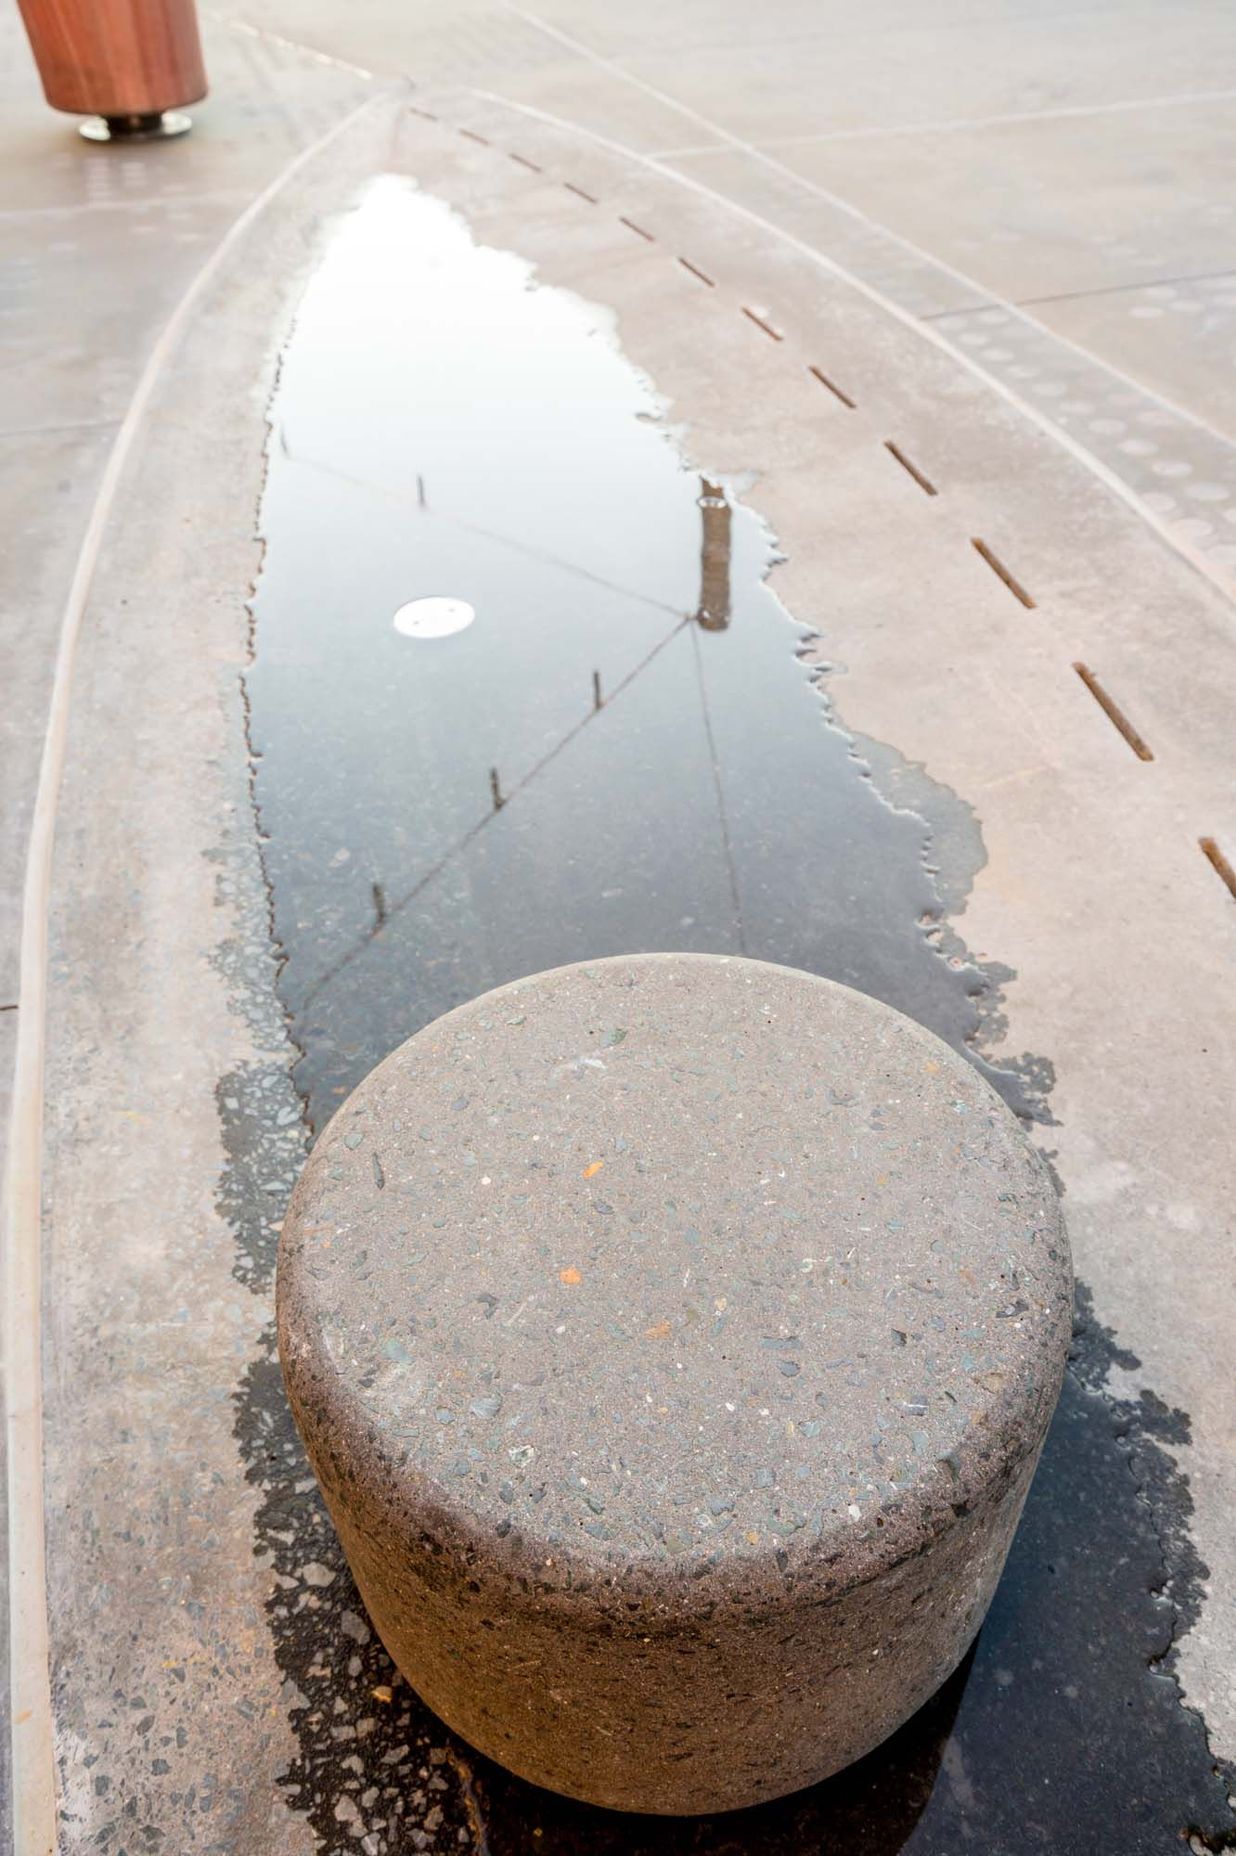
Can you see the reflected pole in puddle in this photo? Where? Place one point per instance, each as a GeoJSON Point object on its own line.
{"type": "Point", "coordinates": [714, 607]}
{"type": "Point", "coordinates": [713, 615]}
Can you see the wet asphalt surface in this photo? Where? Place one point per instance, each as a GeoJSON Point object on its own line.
{"type": "Point", "coordinates": [625, 750]}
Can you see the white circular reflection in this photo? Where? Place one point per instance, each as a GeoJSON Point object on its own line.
{"type": "Point", "coordinates": [433, 618]}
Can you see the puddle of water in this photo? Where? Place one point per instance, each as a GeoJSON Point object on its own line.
{"type": "Point", "coordinates": [622, 751]}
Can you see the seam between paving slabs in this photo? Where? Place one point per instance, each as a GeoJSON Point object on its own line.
{"type": "Point", "coordinates": [762, 320]}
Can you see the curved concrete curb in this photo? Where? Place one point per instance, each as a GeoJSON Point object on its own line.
{"type": "Point", "coordinates": [33, 1757]}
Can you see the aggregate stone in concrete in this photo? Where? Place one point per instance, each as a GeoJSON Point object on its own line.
{"type": "Point", "coordinates": [674, 1338]}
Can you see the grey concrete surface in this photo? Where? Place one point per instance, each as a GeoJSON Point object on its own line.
{"type": "Point", "coordinates": [1154, 204]}
{"type": "Point", "coordinates": [1094, 890]}
{"type": "Point", "coordinates": [94, 256]}
{"type": "Point", "coordinates": [1175, 336]}
{"type": "Point", "coordinates": [868, 76]}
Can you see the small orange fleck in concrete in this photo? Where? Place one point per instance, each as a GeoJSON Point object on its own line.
{"type": "Point", "coordinates": [932, 1067]}
{"type": "Point", "coordinates": [572, 1275]}
{"type": "Point", "coordinates": [383, 1693]}
{"type": "Point", "coordinates": [661, 1331]}
{"type": "Point", "coordinates": [590, 1171]}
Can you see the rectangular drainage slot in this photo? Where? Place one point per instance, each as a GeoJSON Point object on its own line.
{"type": "Point", "coordinates": [696, 272]}
{"type": "Point", "coordinates": [474, 137]}
{"type": "Point", "coordinates": [924, 483]}
{"type": "Point", "coordinates": [818, 373]}
{"type": "Point", "coordinates": [632, 227]}
{"type": "Point", "coordinates": [1114, 714]}
{"type": "Point", "coordinates": [1214, 856]}
{"type": "Point", "coordinates": [533, 167]}
{"type": "Point", "coordinates": [761, 324]}
{"type": "Point", "coordinates": [1001, 572]}
{"type": "Point", "coordinates": [582, 192]}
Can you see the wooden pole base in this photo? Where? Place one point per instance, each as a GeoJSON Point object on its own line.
{"type": "Point", "coordinates": [125, 61]}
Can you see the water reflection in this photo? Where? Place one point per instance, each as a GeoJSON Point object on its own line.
{"type": "Point", "coordinates": [713, 611]}
{"type": "Point", "coordinates": [623, 753]}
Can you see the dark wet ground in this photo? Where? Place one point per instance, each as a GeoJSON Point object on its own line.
{"type": "Point", "coordinates": [623, 751]}
{"type": "Point", "coordinates": [1058, 1734]}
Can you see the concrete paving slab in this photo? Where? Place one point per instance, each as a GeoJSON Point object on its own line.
{"type": "Point", "coordinates": [884, 76]}
{"type": "Point", "coordinates": [1180, 463]}
{"type": "Point", "coordinates": [60, 363]}
{"type": "Point", "coordinates": [1181, 467]}
{"type": "Point", "coordinates": [1001, 202]}
{"type": "Point", "coordinates": [1179, 337]}
{"type": "Point", "coordinates": [765, 186]}
{"type": "Point", "coordinates": [485, 43]}
{"type": "Point", "coordinates": [644, 30]}
{"type": "Point", "coordinates": [52, 477]}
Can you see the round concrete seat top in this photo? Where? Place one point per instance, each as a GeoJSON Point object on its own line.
{"type": "Point", "coordinates": [674, 1338]}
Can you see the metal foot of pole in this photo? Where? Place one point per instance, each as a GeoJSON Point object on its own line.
{"type": "Point", "coordinates": [159, 126]}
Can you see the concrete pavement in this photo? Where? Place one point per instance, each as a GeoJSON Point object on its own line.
{"type": "Point", "coordinates": [874, 226]}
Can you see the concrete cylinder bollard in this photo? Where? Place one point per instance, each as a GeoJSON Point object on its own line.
{"type": "Point", "coordinates": [674, 1338]}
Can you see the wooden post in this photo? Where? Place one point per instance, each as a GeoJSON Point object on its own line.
{"type": "Point", "coordinates": [126, 61]}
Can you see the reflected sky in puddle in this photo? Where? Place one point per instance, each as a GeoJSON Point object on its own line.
{"type": "Point", "coordinates": [623, 751]}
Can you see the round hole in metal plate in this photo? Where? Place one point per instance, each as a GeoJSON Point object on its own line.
{"type": "Point", "coordinates": [436, 617]}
